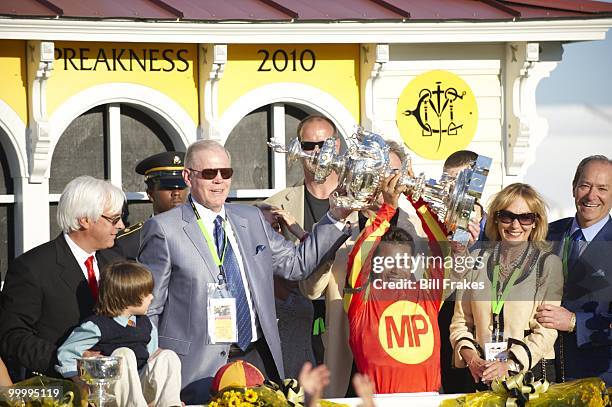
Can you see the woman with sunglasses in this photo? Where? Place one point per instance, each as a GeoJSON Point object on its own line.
{"type": "Point", "coordinates": [494, 331]}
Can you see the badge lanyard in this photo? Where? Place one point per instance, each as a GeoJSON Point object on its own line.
{"type": "Point", "coordinates": [211, 246]}
{"type": "Point", "coordinates": [497, 301]}
{"type": "Point", "coordinates": [565, 254]}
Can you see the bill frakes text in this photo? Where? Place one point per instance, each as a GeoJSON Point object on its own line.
{"type": "Point", "coordinates": [427, 284]}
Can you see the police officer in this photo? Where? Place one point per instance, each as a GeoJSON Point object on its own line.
{"type": "Point", "coordinates": [165, 188]}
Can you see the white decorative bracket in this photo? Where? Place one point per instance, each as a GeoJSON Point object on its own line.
{"type": "Point", "coordinates": [526, 65]}
{"type": "Point", "coordinates": [213, 59]}
{"type": "Point", "coordinates": [373, 59]}
{"type": "Point", "coordinates": [40, 56]}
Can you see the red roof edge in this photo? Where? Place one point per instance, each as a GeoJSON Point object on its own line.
{"type": "Point", "coordinates": [496, 4]}
{"type": "Point", "coordinates": [168, 8]}
{"type": "Point", "coordinates": [281, 8]}
{"type": "Point", "coordinates": [57, 10]}
{"type": "Point", "coordinates": [392, 8]}
{"type": "Point", "coordinates": [587, 7]}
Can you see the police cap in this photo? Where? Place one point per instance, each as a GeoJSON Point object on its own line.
{"type": "Point", "coordinates": [163, 169]}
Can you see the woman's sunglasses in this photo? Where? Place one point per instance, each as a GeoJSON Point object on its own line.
{"type": "Point", "coordinates": [525, 219]}
{"type": "Point", "coordinates": [211, 173]}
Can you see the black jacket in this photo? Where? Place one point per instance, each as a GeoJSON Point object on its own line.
{"type": "Point", "coordinates": [45, 296]}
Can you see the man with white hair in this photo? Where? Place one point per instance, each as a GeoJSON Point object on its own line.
{"type": "Point", "coordinates": [51, 288]}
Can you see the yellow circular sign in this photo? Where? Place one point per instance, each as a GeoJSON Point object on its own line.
{"type": "Point", "coordinates": [437, 114]}
{"type": "Point", "coordinates": [405, 332]}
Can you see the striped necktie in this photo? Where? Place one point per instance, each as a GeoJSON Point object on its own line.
{"type": "Point", "coordinates": [235, 284]}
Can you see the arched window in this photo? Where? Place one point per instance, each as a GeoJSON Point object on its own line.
{"type": "Point", "coordinates": [107, 142]}
{"type": "Point", "coordinates": [7, 218]}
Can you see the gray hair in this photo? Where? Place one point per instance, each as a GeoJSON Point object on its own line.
{"type": "Point", "coordinates": [203, 145]}
{"type": "Point", "coordinates": [584, 162]}
{"type": "Point", "coordinates": [397, 148]}
{"type": "Point", "coordinates": [87, 197]}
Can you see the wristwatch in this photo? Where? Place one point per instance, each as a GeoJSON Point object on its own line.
{"type": "Point", "coordinates": [572, 323]}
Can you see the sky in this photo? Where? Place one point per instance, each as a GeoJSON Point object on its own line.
{"type": "Point", "coordinates": [577, 102]}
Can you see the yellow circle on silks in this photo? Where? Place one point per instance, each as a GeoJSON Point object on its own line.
{"type": "Point", "coordinates": [405, 332]}
{"type": "Point", "coordinates": [437, 114]}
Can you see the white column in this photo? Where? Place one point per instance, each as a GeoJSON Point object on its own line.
{"type": "Point", "coordinates": [114, 144]}
{"type": "Point", "coordinates": [31, 214]}
{"type": "Point", "coordinates": [279, 178]}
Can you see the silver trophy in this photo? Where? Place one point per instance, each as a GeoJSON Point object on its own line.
{"type": "Point", "coordinates": [99, 372]}
{"type": "Point", "coordinates": [363, 167]}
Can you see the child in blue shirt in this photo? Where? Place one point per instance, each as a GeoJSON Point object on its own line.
{"type": "Point", "coordinates": [121, 328]}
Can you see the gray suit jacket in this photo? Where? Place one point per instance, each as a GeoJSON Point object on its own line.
{"type": "Point", "coordinates": [174, 249]}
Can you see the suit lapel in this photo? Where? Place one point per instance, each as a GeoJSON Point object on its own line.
{"type": "Point", "coordinates": [193, 232]}
{"type": "Point", "coordinates": [239, 226]}
{"type": "Point", "coordinates": [69, 270]}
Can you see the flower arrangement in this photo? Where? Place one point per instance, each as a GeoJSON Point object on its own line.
{"type": "Point", "coordinates": [247, 397]}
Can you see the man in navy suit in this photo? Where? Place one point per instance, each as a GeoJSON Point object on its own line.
{"type": "Point", "coordinates": [584, 242]}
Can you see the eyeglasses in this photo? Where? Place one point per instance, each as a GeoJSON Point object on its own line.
{"type": "Point", "coordinates": [113, 220]}
{"type": "Point", "coordinates": [525, 219]}
{"type": "Point", "coordinates": [211, 173]}
{"type": "Point", "coordinates": [310, 145]}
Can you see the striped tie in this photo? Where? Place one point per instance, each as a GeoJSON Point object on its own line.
{"type": "Point", "coordinates": [576, 242]}
{"type": "Point", "coordinates": [236, 287]}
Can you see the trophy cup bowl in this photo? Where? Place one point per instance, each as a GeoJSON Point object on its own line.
{"type": "Point", "coordinates": [363, 167]}
{"type": "Point", "coordinates": [99, 372]}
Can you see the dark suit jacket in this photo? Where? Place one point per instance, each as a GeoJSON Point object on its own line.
{"type": "Point", "coordinates": [588, 293]}
{"type": "Point", "coordinates": [45, 296]}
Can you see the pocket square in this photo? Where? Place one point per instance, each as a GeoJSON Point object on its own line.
{"type": "Point", "coordinates": [260, 248]}
{"type": "Point", "coordinates": [599, 273]}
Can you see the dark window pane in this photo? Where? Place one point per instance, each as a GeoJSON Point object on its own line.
{"type": "Point", "coordinates": [7, 217]}
{"type": "Point", "coordinates": [293, 116]}
{"type": "Point", "coordinates": [80, 150]}
{"type": "Point", "coordinates": [250, 157]}
{"type": "Point", "coordinates": [141, 137]}
{"type": "Point", "coordinates": [55, 229]}
{"type": "Point", "coordinates": [7, 240]}
{"type": "Point", "coordinates": [6, 182]}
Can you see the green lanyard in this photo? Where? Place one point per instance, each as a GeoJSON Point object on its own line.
{"type": "Point", "coordinates": [211, 246]}
{"type": "Point", "coordinates": [497, 302]}
{"type": "Point", "coordinates": [565, 254]}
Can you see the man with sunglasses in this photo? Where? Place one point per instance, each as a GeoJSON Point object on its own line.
{"type": "Point", "coordinates": [584, 319]}
{"type": "Point", "coordinates": [206, 250]}
{"type": "Point", "coordinates": [166, 189]}
{"type": "Point", "coordinates": [50, 289]}
{"type": "Point", "coordinates": [307, 202]}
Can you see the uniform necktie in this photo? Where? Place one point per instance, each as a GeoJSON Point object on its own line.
{"type": "Point", "coordinates": [575, 247]}
{"type": "Point", "coordinates": [235, 284]}
{"type": "Point", "coordinates": [91, 277]}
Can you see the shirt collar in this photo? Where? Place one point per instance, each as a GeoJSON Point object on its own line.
{"type": "Point", "coordinates": [123, 321]}
{"type": "Point", "coordinates": [206, 214]}
{"type": "Point", "coordinates": [591, 231]}
{"type": "Point", "coordinates": [80, 254]}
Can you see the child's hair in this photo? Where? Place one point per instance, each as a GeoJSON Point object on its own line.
{"type": "Point", "coordinates": [123, 284]}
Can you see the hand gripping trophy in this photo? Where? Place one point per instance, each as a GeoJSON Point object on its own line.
{"type": "Point", "coordinates": [365, 164]}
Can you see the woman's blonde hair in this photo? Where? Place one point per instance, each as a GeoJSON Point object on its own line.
{"type": "Point", "coordinates": [123, 284]}
{"type": "Point", "coordinates": [534, 201]}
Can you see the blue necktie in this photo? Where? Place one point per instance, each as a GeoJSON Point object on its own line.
{"type": "Point", "coordinates": [576, 240]}
{"type": "Point", "coordinates": [236, 287]}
